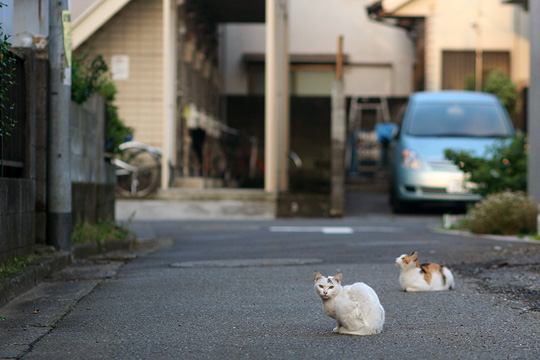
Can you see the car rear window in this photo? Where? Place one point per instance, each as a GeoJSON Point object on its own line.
{"type": "Point", "coordinates": [463, 120]}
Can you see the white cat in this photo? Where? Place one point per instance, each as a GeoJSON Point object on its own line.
{"type": "Point", "coordinates": [355, 307]}
{"type": "Point", "coordinates": [423, 277]}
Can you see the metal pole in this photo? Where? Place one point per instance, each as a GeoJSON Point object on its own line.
{"type": "Point", "coordinates": [59, 222]}
{"type": "Point", "coordinates": [533, 176]}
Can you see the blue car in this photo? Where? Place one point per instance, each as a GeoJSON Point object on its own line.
{"type": "Point", "coordinates": [432, 123]}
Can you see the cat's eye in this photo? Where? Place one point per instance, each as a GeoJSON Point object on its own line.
{"type": "Point", "coordinates": [321, 286]}
{"type": "Point", "coordinates": [331, 287]}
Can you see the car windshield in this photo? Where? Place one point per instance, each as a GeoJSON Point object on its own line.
{"type": "Point", "coordinates": [460, 120]}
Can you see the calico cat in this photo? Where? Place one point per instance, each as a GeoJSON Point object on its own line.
{"type": "Point", "coordinates": [423, 277]}
{"type": "Point", "coordinates": [355, 307]}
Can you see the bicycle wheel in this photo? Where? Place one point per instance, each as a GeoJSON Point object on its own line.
{"type": "Point", "coordinates": [142, 179]}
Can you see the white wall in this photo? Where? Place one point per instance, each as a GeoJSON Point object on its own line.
{"type": "Point", "coordinates": [381, 56]}
{"type": "Point", "coordinates": [21, 19]}
{"type": "Point", "coordinates": [236, 40]}
{"type": "Point", "coordinates": [521, 51]}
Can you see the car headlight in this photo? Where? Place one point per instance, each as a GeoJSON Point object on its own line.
{"type": "Point", "coordinates": [410, 160]}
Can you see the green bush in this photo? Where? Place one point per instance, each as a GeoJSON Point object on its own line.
{"type": "Point", "coordinates": [503, 168]}
{"type": "Point", "coordinates": [15, 265]}
{"type": "Point", "coordinates": [89, 78]}
{"type": "Point", "coordinates": [506, 213]}
{"type": "Point", "coordinates": [84, 233]}
{"type": "Point", "coordinates": [500, 85]}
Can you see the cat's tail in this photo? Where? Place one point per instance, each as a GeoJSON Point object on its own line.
{"type": "Point", "coordinates": [448, 278]}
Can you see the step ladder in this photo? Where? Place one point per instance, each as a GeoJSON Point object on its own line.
{"type": "Point", "coordinates": [363, 149]}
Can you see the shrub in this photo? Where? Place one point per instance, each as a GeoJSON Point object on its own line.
{"type": "Point", "coordinates": [89, 78]}
{"type": "Point", "coordinates": [506, 213]}
{"type": "Point", "coordinates": [7, 81]}
{"type": "Point", "coordinates": [98, 233]}
{"type": "Point", "coordinates": [500, 85]}
{"type": "Point", "coordinates": [503, 168]}
{"type": "Point", "coordinates": [15, 265]}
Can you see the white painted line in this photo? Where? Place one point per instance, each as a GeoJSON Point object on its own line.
{"type": "Point", "coordinates": [377, 229]}
{"type": "Point", "coordinates": [338, 230]}
{"type": "Point", "coordinates": [299, 229]}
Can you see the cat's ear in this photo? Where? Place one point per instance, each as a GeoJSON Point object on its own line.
{"type": "Point", "coordinates": [338, 277]}
{"type": "Point", "coordinates": [317, 276]}
{"type": "Point", "coordinates": [414, 254]}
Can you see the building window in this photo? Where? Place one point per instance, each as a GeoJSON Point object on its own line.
{"type": "Point", "coordinates": [458, 67]}
{"type": "Point", "coordinates": [302, 82]}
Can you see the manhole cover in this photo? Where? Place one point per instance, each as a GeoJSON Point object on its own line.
{"type": "Point", "coordinates": [245, 263]}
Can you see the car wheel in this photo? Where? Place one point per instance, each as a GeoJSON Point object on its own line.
{"type": "Point", "coordinates": [398, 206]}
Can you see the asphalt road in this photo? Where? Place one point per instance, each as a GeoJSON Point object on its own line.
{"type": "Point", "coordinates": [243, 290]}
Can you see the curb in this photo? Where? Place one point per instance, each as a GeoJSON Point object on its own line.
{"type": "Point", "coordinates": [32, 275]}
{"type": "Point", "coordinates": [84, 251]}
{"type": "Point", "coordinates": [46, 265]}
{"type": "Point", "coordinates": [526, 239]}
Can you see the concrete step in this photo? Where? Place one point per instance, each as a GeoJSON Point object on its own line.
{"type": "Point", "coordinates": [197, 183]}
{"type": "Point", "coordinates": [215, 194]}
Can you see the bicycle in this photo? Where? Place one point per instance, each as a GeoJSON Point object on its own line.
{"type": "Point", "coordinates": [138, 169]}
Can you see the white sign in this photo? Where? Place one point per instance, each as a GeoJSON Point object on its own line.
{"type": "Point", "coordinates": [120, 67]}
{"type": "Point", "coordinates": [67, 76]}
{"type": "Point", "coordinates": [455, 186]}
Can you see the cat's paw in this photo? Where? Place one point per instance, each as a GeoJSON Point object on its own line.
{"type": "Point", "coordinates": [411, 290]}
{"type": "Point", "coordinates": [336, 329]}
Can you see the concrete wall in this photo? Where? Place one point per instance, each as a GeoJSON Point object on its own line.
{"type": "Point", "coordinates": [23, 200]}
{"type": "Point", "coordinates": [87, 129]}
{"type": "Point", "coordinates": [17, 199]}
{"type": "Point", "coordinates": [93, 180]}
{"type": "Point", "coordinates": [136, 31]}
{"type": "Point", "coordinates": [380, 56]}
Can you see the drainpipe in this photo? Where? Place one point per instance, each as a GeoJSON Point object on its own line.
{"type": "Point", "coordinates": [59, 222]}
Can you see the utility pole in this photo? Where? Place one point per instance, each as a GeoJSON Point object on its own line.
{"type": "Point", "coordinates": [533, 126]}
{"type": "Point", "coordinates": [59, 221]}
{"type": "Point", "coordinates": [338, 137]}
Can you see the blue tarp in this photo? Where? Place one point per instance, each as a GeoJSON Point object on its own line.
{"type": "Point", "coordinates": [385, 131]}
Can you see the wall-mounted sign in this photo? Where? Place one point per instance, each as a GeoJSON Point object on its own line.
{"type": "Point", "coordinates": [66, 22]}
{"type": "Point", "coordinates": [120, 67]}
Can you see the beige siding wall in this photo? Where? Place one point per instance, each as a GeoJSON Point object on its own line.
{"type": "Point", "coordinates": [451, 25]}
{"type": "Point", "coordinates": [136, 31]}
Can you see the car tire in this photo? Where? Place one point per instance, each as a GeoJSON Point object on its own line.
{"type": "Point", "coordinates": [398, 206]}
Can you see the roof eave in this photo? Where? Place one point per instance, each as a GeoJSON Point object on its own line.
{"type": "Point", "coordinates": [93, 19]}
